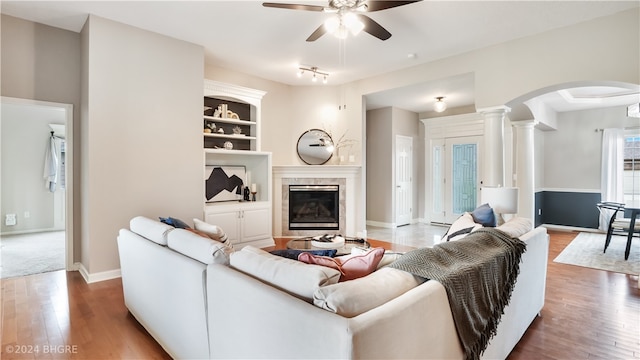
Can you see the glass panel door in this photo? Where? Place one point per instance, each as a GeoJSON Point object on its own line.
{"type": "Point", "coordinates": [462, 163]}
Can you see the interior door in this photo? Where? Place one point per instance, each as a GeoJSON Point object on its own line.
{"type": "Point", "coordinates": [403, 179]}
{"type": "Point", "coordinates": [462, 175]}
{"type": "Point", "coordinates": [455, 174]}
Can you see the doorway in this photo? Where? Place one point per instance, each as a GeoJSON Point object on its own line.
{"type": "Point", "coordinates": [404, 180]}
{"type": "Point", "coordinates": [455, 167]}
{"type": "Point", "coordinates": [29, 207]}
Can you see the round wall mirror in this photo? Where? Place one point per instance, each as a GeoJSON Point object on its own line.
{"type": "Point", "coordinates": [315, 147]}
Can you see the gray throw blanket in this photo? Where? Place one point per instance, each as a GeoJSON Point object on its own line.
{"type": "Point", "coordinates": [478, 272]}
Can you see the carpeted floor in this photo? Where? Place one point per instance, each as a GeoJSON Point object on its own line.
{"type": "Point", "coordinates": [29, 254]}
{"type": "Point", "coordinates": [587, 250]}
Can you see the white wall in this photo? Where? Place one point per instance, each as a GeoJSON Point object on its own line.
{"type": "Point", "coordinates": [379, 164]}
{"type": "Point", "coordinates": [142, 133]}
{"type": "Point", "coordinates": [572, 154]}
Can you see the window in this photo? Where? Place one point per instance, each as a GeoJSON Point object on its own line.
{"type": "Point", "coordinates": [632, 167]}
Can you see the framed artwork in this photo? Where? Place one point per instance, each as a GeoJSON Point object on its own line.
{"type": "Point", "coordinates": [224, 183]}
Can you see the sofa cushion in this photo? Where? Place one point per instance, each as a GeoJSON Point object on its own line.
{"type": "Point", "coordinates": [484, 215]}
{"type": "Point", "coordinates": [352, 298]}
{"type": "Point", "coordinates": [461, 227]}
{"type": "Point", "coordinates": [199, 247]}
{"type": "Point", "coordinates": [213, 231]}
{"type": "Point", "coordinates": [351, 266]}
{"type": "Point", "coordinates": [294, 277]}
{"type": "Point", "coordinates": [151, 229]}
{"type": "Point", "coordinates": [516, 226]}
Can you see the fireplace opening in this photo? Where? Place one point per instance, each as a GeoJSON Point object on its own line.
{"type": "Point", "coordinates": [314, 207]}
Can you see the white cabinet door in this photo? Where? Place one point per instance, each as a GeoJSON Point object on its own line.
{"type": "Point", "coordinates": [243, 222]}
{"type": "Point", "coordinates": [228, 221]}
{"type": "Point", "coordinates": [256, 224]}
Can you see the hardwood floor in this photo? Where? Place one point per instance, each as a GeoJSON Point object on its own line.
{"type": "Point", "coordinates": [588, 314]}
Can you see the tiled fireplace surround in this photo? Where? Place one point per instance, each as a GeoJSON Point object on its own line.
{"type": "Point", "coordinates": [344, 176]}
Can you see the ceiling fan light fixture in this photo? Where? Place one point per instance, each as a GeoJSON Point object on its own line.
{"type": "Point", "coordinates": [440, 105]}
{"type": "Point", "coordinates": [352, 23]}
{"type": "Point", "coordinates": [332, 24]}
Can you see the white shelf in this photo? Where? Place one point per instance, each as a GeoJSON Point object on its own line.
{"type": "Point", "coordinates": [228, 136]}
{"type": "Point", "coordinates": [236, 152]}
{"type": "Point", "coordinates": [229, 121]}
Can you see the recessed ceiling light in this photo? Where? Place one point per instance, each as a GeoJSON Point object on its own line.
{"type": "Point", "coordinates": [411, 55]}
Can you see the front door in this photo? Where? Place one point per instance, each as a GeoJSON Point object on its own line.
{"type": "Point", "coordinates": [455, 173]}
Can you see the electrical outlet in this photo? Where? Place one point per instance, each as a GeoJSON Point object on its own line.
{"type": "Point", "coordinates": [10, 219]}
{"type": "Point", "coordinates": [539, 212]}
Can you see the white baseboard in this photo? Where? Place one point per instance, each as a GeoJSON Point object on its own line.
{"type": "Point", "coordinates": [569, 228]}
{"type": "Point", "coordinates": [97, 277]}
{"type": "Point", "coordinates": [380, 224]}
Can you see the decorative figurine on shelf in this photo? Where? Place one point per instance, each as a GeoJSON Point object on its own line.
{"type": "Point", "coordinates": [228, 145]}
{"type": "Point", "coordinates": [253, 192]}
{"type": "Point", "coordinates": [237, 130]}
{"type": "Point", "coordinates": [246, 193]}
{"type": "Point", "coordinates": [218, 111]}
{"type": "Point", "coordinates": [211, 128]}
{"type": "Point", "coordinates": [220, 131]}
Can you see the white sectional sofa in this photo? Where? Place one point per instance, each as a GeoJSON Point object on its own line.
{"type": "Point", "coordinates": [262, 306]}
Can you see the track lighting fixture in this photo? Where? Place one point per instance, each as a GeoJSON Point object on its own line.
{"type": "Point", "coordinates": [440, 105]}
{"type": "Point", "coordinates": [315, 73]}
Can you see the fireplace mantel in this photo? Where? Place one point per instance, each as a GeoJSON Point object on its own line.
{"type": "Point", "coordinates": [349, 176]}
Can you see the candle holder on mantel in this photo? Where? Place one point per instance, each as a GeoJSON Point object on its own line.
{"type": "Point", "coordinates": [253, 195]}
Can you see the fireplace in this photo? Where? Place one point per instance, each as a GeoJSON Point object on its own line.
{"type": "Point", "coordinates": [314, 207]}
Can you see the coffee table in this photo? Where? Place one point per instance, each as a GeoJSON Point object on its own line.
{"type": "Point", "coordinates": [305, 244]}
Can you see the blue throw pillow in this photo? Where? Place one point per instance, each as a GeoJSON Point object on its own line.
{"type": "Point", "coordinates": [177, 223]}
{"type": "Point", "coordinates": [293, 254]}
{"type": "Point", "coordinates": [484, 215]}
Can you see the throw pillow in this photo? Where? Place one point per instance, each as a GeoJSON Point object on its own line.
{"type": "Point", "coordinates": [516, 227]}
{"type": "Point", "coordinates": [484, 215]}
{"type": "Point", "coordinates": [213, 231]}
{"type": "Point", "coordinates": [293, 254]}
{"type": "Point", "coordinates": [176, 223]}
{"type": "Point", "coordinates": [351, 266]}
{"type": "Point", "coordinates": [461, 227]}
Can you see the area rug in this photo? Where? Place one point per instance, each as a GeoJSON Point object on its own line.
{"type": "Point", "coordinates": [30, 254]}
{"type": "Point", "coordinates": [586, 250]}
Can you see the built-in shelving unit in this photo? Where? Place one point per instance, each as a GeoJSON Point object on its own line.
{"type": "Point", "coordinates": [245, 222]}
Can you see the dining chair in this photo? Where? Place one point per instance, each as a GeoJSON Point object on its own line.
{"type": "Point", "coordinates": [617, 225]}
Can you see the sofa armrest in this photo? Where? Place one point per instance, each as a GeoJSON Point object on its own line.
{"type": "Point", "coordinates": [416, 325]}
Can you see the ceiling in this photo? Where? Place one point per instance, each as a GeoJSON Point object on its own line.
{"type": "Point", "coordinates": [270, 43]}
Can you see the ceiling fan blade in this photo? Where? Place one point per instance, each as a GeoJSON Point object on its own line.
{"type": "Point", "coordinates": [293, 6]}
{"type": "Point", "coordinates": [374, 28]}
{"type": "Point", "coordinates": [316, 34]}
{"type": "Point", "coordinates": [382, 5]}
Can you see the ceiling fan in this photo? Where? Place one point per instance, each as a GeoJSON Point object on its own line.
{"type": "Point", "coordinates": [349, 16]}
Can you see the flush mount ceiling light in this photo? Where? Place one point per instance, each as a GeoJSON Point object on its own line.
{"type": "Point", "coordinates": [440, 105]}
{"type": "Point", "coordinates": [315, 73]}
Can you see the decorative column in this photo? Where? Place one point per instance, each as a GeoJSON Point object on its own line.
{"type": "Point", "coordinates": [493, 160]}
{"type": "Point", "coordinates": [525, 167]}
